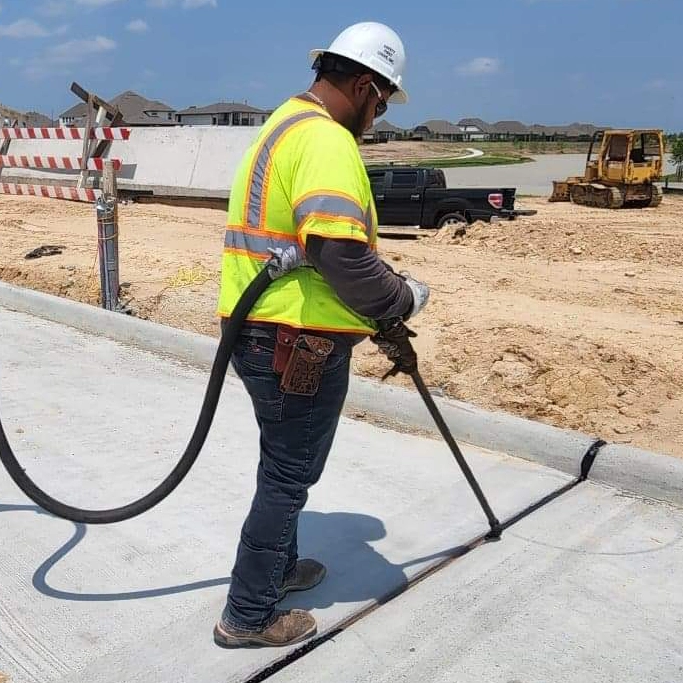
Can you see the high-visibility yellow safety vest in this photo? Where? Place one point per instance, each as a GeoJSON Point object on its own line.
{"type": "Point", "coordinates": [302, 176]}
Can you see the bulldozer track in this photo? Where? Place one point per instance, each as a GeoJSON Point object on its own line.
{"type": "Point", "coordinates": [596, 195]}
{"type": "Point", "coordinates": [657, 195]}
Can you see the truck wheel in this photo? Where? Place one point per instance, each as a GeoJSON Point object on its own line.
{"type": "Point", "coordinates": [451, 219]}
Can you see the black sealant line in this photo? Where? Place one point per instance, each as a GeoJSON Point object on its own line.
{"type": "Point", "coordinates": [301, 651]}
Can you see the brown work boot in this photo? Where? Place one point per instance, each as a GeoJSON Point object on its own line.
{"type": "Point", "coordinates": [306, 575]}
{"type": "Point", "coordinates": [288, 628]}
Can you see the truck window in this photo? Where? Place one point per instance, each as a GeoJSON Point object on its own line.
{"type": "Point", "coordinates": [376, 180]}
{"type": "Point", "coordinates": [403, 179]}
{"type": "Point", "coordinates": [435, 178]}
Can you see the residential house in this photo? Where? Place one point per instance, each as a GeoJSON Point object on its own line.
{"type": "Point", "coordinates": [382, 131]}
{"type": "Point", "coordinates": [74, 116]}
{"type": "Point", "coordinates": [9, 116]}
{"type": "Point", "coordinates": [510, 130]}
{"type": "Point", "coordinates": [223, 114]}
{"type": "Point", "coordinates": [34, 119]}
{"type": "Point", "coordinates": [136, 110]}
{"type": "Point", "coordinates": [438, 129]}
{"type": "Point", "coordinates": [577, 131]}
{"type": "Point", "coordinates": [474, 129]}
{"type": "Point", "coordinates": [29, 119]}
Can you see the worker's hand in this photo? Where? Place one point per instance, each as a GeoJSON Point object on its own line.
{"type": "Point", "coordinates": [393, 340]}
{"type": "Point", "coordinates": [283, 261]}
{"type": "Point", "coordinates": [420, 292]}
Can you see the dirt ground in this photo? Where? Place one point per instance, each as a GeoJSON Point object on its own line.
{"type": "Point", "coordinates": [573, 317]}
{"type": "Point", "coordinates": [412, 150]}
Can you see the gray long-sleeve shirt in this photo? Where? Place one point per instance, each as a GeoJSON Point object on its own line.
{"type": "Point", "coordinates": [359, 277]}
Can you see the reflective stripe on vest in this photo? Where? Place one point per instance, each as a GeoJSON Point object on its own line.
{"type": "Point", "coordinates": [332, 207]}
{"type": "Point", "coordinates": [254, 213]}
{"type": "Point", "coordinates": [256, 243]}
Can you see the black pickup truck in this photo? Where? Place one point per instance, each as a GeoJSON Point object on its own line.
{"type": "Point", "coordinates": [418, 197]}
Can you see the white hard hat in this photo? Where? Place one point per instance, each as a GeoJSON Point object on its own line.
{"type": "Point", "coordinates": [375, 46]}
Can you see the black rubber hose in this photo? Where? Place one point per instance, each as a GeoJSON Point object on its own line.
{"type": "Point", "coordinates": [208, 410]}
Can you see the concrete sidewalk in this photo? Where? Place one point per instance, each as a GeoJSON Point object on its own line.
{"type": "Point", "coordinates": [587, 590]}
{"type": "Point", "coordinates": [98, 424]}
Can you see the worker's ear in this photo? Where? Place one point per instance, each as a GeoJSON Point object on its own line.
{"type": "Point", "coordinates": [362, 85]}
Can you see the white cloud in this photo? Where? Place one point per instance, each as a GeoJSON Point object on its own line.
{"type": "Point", "coordinates": [62, 59]}
{"type": "Point", "coordinates": [74, 51]}
{"type": "Point", "coordinates": [137, 26]}
{"type": "Point", "coordinates": [192, 4]}
{"type": "Point", "coordinates": [15, 61]}
{"type": "Point", "coordinates": [656, 84]}
{"type": "Point", "coordinates": [480, 66]}
{"type": "Point", "coordinates": [23, 28]}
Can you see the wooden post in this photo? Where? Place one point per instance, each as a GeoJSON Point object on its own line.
{"type": "Point", "coordinates": [108, 239]}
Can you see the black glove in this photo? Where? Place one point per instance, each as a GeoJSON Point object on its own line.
{"type": "Point", "coordinates": [393, 340]}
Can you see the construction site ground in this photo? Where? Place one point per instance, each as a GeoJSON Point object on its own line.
{"type": "Point", "coordinates": [573, 317]}
{"type": "Point", "coordinates": [419, 149]}
{"type": "Point", "coordinates": [582, 590]}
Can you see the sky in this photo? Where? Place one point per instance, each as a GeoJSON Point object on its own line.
{"type": "Point", "coordinates": [607, 62]}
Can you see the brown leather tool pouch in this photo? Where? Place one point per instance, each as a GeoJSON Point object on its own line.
{"type": "Point", "coordinates": [286, 336]}
{"type": "Point", "coordinates": [306, 364]}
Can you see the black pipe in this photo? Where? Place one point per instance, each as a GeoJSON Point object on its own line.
{"type": "Point", "coordinates": [496, 528]}
{"type": "Point", "coordinates": [206, 414]}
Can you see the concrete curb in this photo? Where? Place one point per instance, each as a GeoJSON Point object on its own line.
{"type": "Point", "coordinates": [631, 469]}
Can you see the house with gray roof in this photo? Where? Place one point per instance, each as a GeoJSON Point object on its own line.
{"type": "Point", "coordinates": [438, 129]}
{"type": "Point", "coordinates": [510, 130]}
{"type": "Point", "coordinates": [34, 119]}
{"type": "Point", "coordinates": [223, 114]}
{"type": "Point", "coordinates": [29, 119]}
{"type": "Point", "coordinates": [474, 129]}
{"type": "Point", "coordinates": [136, 109]}
{"type": "Point", "coordinates": [383, 131]}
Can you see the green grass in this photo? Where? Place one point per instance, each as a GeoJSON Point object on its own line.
{"type": "Point", "coordinates": [456, 162]}
{"type": "Point", "coordinates": [486, 160]}
{"type": "Point", "coordinates": [521, 148]}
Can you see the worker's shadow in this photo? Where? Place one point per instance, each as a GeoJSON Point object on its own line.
{"type": "Point", "coordinates": [357, 572]}
{"type": "Point", "coordinates": [40, 575]}
{"type": "Point", "coordinates": [341, 540]}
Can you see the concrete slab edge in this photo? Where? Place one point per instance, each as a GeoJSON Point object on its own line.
{"type": "Point", "coordinates": [631, 469]}
{"type": "Point", "coordinates": [170, 191]}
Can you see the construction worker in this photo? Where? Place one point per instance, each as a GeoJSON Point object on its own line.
{"type": "Point", "coordinates": [302, 187]}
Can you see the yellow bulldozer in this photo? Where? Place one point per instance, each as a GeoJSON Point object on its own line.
{"type": "Point", "coordinates": [621, 169]}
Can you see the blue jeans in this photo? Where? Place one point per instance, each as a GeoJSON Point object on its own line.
{"type": "Point", "coordinates": [296, 437]}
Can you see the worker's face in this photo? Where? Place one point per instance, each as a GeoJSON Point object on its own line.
{"type": "Point", "coordinates": [370, 102]}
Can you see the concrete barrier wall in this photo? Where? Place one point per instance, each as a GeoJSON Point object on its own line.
{"type": "Point", "coordinates": [183, 160]}
{"type": "Point", "coordinates": [631, 469]}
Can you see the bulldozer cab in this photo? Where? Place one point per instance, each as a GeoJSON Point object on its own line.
{"type": "Point", "coordinates": [625, 156]}
{"type": "Point", "coordinates": [593, 164]}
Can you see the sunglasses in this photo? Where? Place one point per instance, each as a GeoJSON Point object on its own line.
{"type": "Point", "coordinates": [382, 105]}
